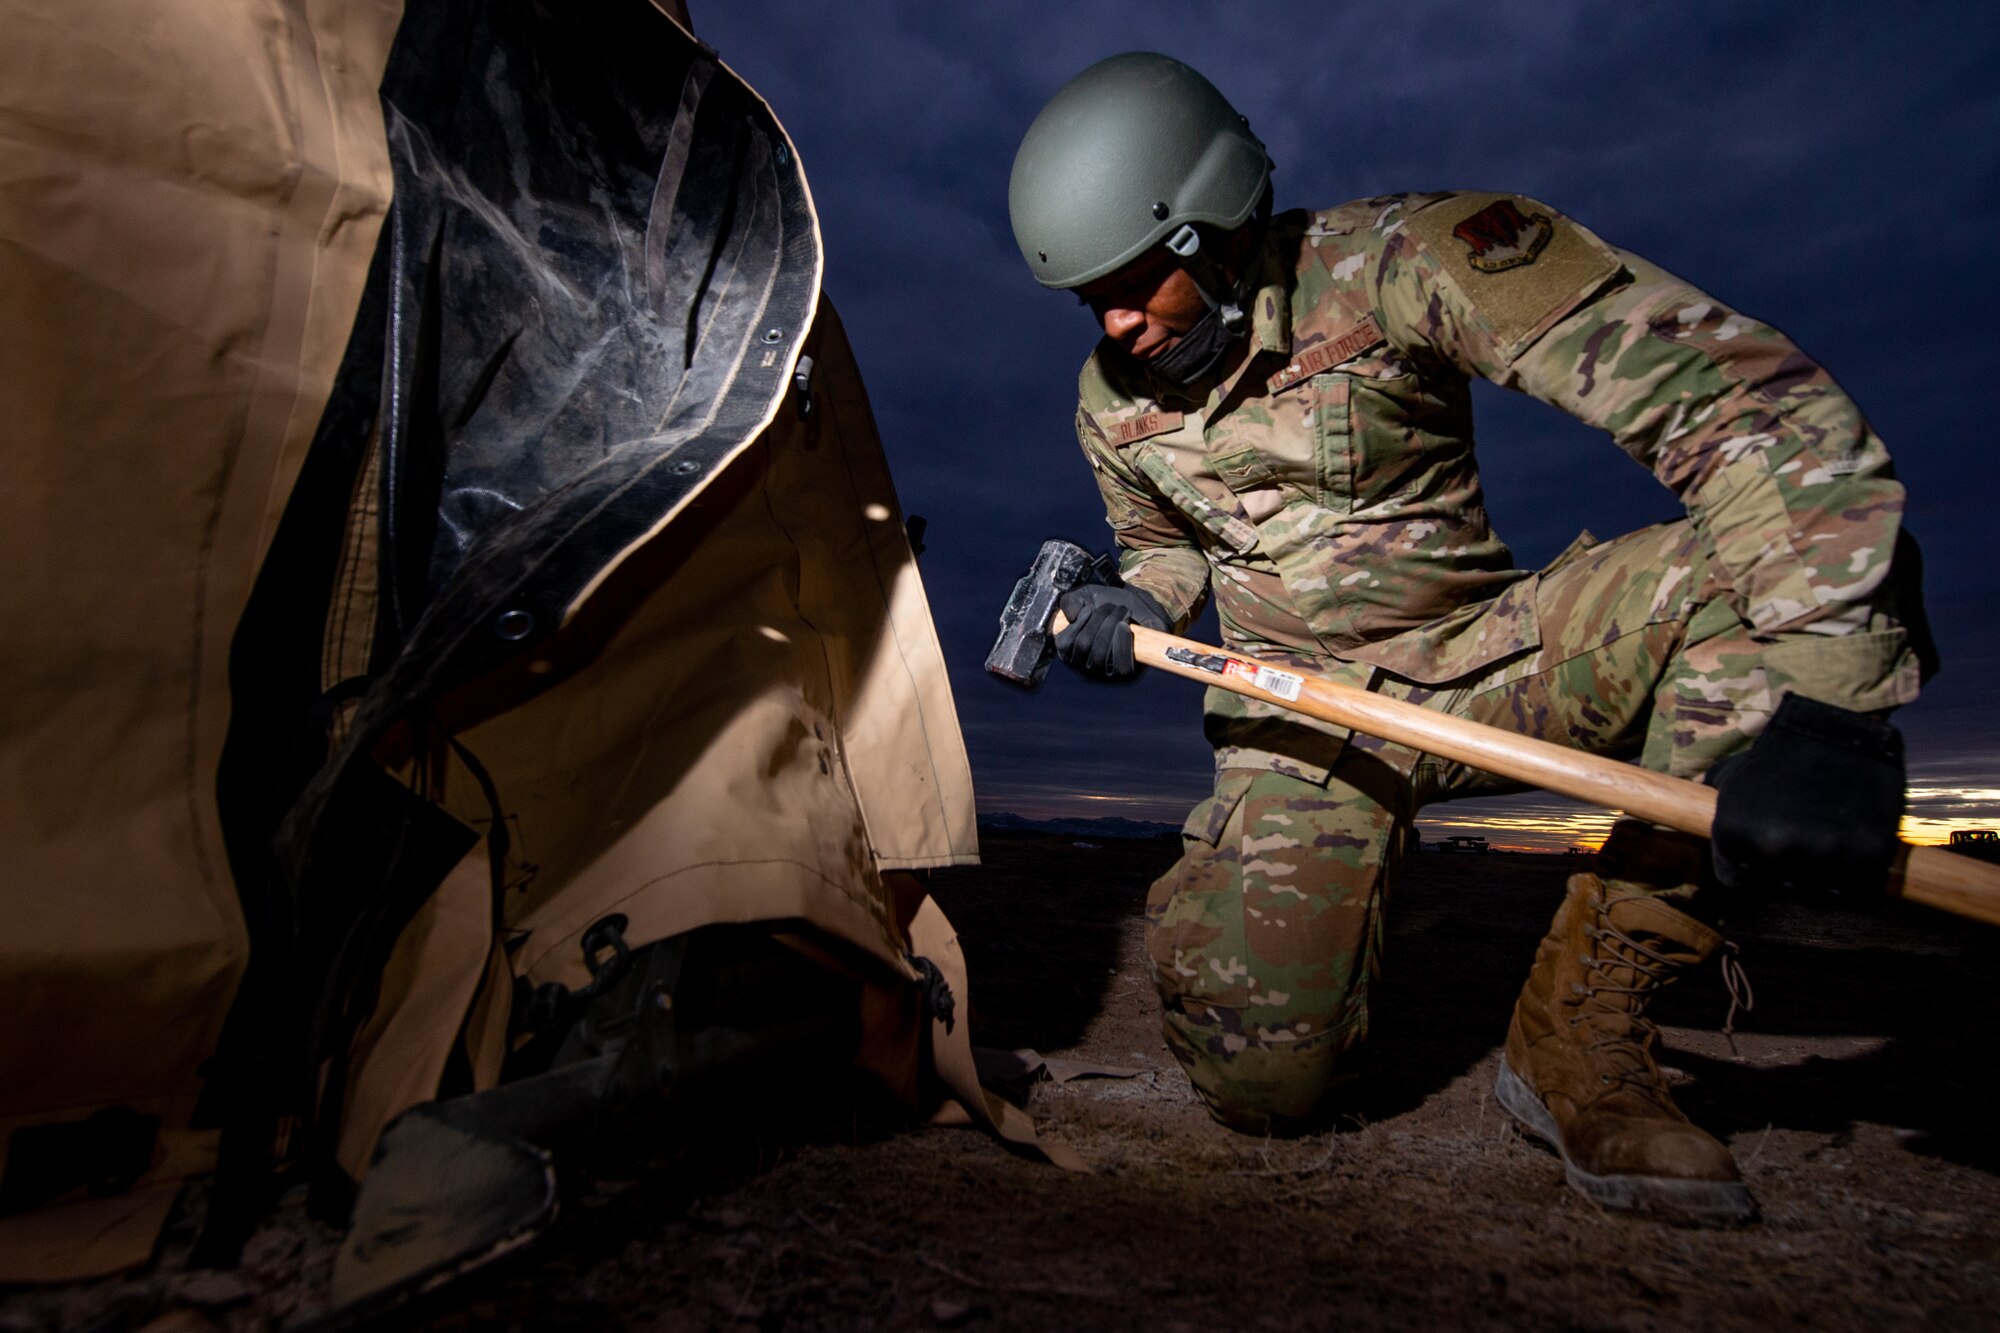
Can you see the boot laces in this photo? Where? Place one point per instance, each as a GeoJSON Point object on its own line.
{"type": "Point", "coordinates": [1737, 979]}
{"type": "Point", "coordinates": [1625, 1036]}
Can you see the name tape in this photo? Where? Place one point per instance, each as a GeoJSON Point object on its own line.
{"type": "Point", "coordinates": [1327, 355]}
{"type": "Point", "coordinates": [1144, 427]}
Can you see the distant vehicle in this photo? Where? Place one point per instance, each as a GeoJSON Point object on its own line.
{"type": "Point", "coordinates": [1576, 851]}
{"type": "Point", "coordinates": [1464, 842]}
{"type": "Point", "coordinates": [1982, 843]}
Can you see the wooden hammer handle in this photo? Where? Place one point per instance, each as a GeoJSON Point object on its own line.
{"type": "Point", "coordinates": [1927, 875]}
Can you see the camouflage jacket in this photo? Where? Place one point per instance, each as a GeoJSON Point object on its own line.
{"type": "Point", "coordinates": [1325, 486]}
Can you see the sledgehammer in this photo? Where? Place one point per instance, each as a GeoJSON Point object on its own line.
{"type": "Point", "coordinates": [1028, 626]}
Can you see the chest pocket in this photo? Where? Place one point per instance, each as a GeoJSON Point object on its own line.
{"type": "Point", "coordinates": [1308, 447]}
{"type": "Point", "coordinates": [1227, 529]}
{"type": "Point", "coordinates": [1387, 422]}
{"type": "Point", "coordinates": [1313, 447]}
{"type": "Point", "coordinates": [1350, 448]}
{"type": "Point", "coordinates": [1277, 445]}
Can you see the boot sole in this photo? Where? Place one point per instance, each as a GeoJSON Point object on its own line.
{"type": "Point", "coordinates": [1702, 1202]}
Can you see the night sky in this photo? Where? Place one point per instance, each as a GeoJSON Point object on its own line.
{"type": "Point", "coordinates": [1830, 168]}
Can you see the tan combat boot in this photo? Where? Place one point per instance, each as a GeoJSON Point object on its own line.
{"type": "Point", "coordinates": [1579, 1071]}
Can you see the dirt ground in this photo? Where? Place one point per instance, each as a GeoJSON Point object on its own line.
{"type": "Point", "coordinates": [1860, 1100]}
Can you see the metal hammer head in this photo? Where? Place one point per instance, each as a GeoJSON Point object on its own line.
{"type": "Point", "coordinates": [1022, 652]}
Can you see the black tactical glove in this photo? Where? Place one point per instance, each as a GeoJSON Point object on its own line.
{"type": "Point", "coordinates": [1812, 806]}
{"type": "Point", "coordinates": [1098, 641]}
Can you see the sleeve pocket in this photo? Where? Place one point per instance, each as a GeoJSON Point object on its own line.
{"type": "Point", "coordinates": [1864, 672]}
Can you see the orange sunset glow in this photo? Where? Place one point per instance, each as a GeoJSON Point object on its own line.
{"type": "Point", "coordinates": [1530, 822]}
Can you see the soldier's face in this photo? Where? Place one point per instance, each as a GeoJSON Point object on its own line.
{"type": "Point", "coordinates": [1146, 306]}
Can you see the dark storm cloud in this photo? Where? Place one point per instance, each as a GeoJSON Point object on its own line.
{"type": "Point", "coordinates": [1833, 168]}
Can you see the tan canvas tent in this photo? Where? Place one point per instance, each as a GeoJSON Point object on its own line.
{"type": "Point", "coordinates": [453, 556]}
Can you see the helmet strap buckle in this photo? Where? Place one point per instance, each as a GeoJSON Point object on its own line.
{"type": "Point", "coordinates": [1202, 347]}
{"type": "Point", "coordinates": [1209, 279]}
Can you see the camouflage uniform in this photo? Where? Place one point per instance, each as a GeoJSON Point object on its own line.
{"type": "Point", "coordinates": [1325, 490]}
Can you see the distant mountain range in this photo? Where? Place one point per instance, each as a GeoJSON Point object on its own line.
{"type": "Point", "coordinates": [1111, 827]}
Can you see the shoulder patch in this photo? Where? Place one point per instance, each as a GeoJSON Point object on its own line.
{"type": "Point", "coordinates": [1521, 264]}
{"type": "Point", "coordinates": [1343, 346]}
{"type": "Point", "coordinates": [1498, 237]}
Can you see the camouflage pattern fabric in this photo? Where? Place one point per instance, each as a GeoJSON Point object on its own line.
{"type": "Point", "coordinates": [1322, 487]}
{"type": "Point", "coordinates": [1325, 488]}
{"type": "Point", "coordinates": [1266, 934]}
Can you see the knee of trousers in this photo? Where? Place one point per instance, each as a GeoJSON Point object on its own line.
{"type": "Point", "coordinates": [1263, 943]}
{"type": "Point", "coordinates": [1257, 1080]}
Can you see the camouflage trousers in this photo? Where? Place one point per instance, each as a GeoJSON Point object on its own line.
{"type": "Point", "coordinates": [1266, 934]}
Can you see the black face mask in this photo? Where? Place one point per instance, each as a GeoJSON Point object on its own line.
{"type": "Point", "coordinates": [1202, 347]}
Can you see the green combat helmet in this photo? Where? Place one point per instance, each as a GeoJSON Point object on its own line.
{"type": "Point", "coordinates": [1137, 150]}
{"type": "Point", "coordinates": [1130, 152]}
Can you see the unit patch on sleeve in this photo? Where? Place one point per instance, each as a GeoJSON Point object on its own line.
{"type": "Point", "coordinates": [1498, 237]}
{"type": "Point", "coordinates": [1326, 355]}
{"type": "Point", "coordinates": [1522, 265]}
{"type": "Point", "coordinates": [1144, 427]}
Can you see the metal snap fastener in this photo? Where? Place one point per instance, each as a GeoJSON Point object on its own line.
{"type": "Point", "coordinates": [774, 335]}
{"type": "Point", "coordinates": [685, 466]}
{"type": "Point", "coordinates": [514, 625]}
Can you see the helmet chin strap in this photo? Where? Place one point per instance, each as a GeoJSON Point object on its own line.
{"type": "Point", "coordinates": [1203, 346]}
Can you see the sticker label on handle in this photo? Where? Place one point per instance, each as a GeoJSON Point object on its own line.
{"type": "Point", "coordinates": [1281, 683]}
{"type": "Point", "coordinates": [1269, 679]}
